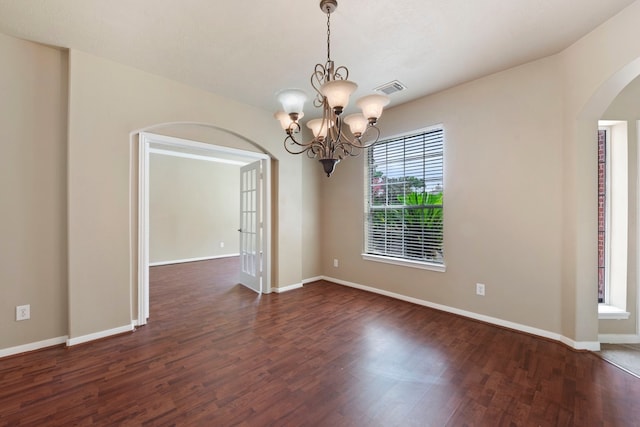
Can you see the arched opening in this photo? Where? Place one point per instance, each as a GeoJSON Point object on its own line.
{"type": "Point", "coordinates": [586, 223]}
{"type": "Point", "coordinates": [191, 139]}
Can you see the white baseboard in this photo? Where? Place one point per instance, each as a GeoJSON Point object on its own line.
{"type": "Point", "coordinates": [580, 345]}
{"type": "Point", "coordinates": [180, 261]}
{"type": "Point", "coordinates": [32, 346]}
{"type": "Point", "coordinates": [98, 335]}
{"type": "Point", "coordinates": [619, 338]}
{"type": "Point", "coordinates": [282, 289]}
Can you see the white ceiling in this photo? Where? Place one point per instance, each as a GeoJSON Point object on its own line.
{"type": "Point", "coordinates": [249, 49]}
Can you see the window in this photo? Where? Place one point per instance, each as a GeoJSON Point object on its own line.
{"type": "Point", "coordinates": [612, 219]}
{"type": "Point", "coordinates": [404, 209]}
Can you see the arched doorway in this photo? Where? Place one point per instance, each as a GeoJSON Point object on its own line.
{"type": "Point", "coordinates": [583, 221]}
{"type": "Point", "coordinates": [153, 141]}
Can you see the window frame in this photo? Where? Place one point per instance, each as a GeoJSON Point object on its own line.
{"type": "Point", "coordinates": [367, 255]}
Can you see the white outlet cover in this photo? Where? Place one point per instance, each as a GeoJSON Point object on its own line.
{"type": "Point", "coordinates": [23, 312]}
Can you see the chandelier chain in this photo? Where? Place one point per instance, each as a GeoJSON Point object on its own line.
{"type": "Point", "coordinates": [328, 34]}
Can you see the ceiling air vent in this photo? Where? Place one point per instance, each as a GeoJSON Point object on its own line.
{"type": "Point", "coordinates": [391, 87]}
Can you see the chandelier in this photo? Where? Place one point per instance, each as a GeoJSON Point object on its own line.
{"type": "Point", "coordinates": [330, 142]}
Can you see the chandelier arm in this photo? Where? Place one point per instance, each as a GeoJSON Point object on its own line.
{"type": "Point", "coordinates": [335, 150]}
{"type": "Point", "coordinates": [316, 150]}
{"type": "Point", "coordinates": [352, 150]}
{"type": "Point", "coordinates": [345, 149]}
{"type": "Point", "coordinates": [338, 127]}
{"type": "Point", "coordinates": [317, 79]}
{"type": "Point", "coordinates": [294, 147]}
{"type": "Point", "coordinates": [326, 151]}
{"type": "Point", "coordinates": [372, 128]}
{"type": "Point", "coordinates": [350, 146]}
{"type": "Point", "coordinates": [337, 74]}
{"type": "Point", "coordinates": [332, 121]}
{"type": "Point", "coordinates": [294, 142]}
{"type": "Point", "coordinates": [291, 141]}
{"type": "Point", "coordinates": [294, 127]}
{"type": "Point", "coordinates": [290, 151]}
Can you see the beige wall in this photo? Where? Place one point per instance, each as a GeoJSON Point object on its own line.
{"type": "Point", "coordinates": [503, 213]}
{"type": "Point", "coordinates": [193, 208]}
{"type": "Point", "coordinates": [33, 220]}
{"type": "Point", "coordinates": [313, 180]}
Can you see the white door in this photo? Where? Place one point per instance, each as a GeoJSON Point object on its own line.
{"type": "Point", "coordinates": [251, 226]}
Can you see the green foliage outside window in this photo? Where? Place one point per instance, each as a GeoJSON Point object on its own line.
{"type": "Point", "coordinates": [412, 225]}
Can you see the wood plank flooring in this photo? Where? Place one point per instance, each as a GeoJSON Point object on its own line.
{"type": "Point", "coordinates": [216, 354]}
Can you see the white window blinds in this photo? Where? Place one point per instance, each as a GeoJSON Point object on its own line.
{"type": "Point", "coordinates": [405, 193]}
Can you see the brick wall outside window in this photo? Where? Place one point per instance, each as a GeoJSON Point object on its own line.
{"type": "Point", "coordinates": [602, 210]}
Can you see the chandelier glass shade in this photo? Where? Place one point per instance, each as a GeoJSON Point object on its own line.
{"type": "Point", "coordinates": [331, 142]}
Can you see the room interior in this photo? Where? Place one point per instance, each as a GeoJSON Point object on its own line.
{"type": "Point", "coordinates": [520, 160]}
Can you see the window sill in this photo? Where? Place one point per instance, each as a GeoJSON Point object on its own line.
{"type": "Point", "coordinates": [405, 263]}
{"type": "Point", "coordinates": [609, 312]}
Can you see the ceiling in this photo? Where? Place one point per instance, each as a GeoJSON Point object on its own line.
{"type": "Point", "coordinates": [248, 50]}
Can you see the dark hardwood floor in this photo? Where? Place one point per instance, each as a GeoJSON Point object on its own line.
{"type": "Point", "coordinates": [216, 354]}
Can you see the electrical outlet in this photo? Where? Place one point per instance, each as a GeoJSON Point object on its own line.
{"type": "Point", "coordinates": [480, 289]}
{"type": "Point", "coordinates": [335, 262]}
{"type": "Point", "coordinates": [23, 312]}
{"type": "Point", "coordinates": [222, 244]}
